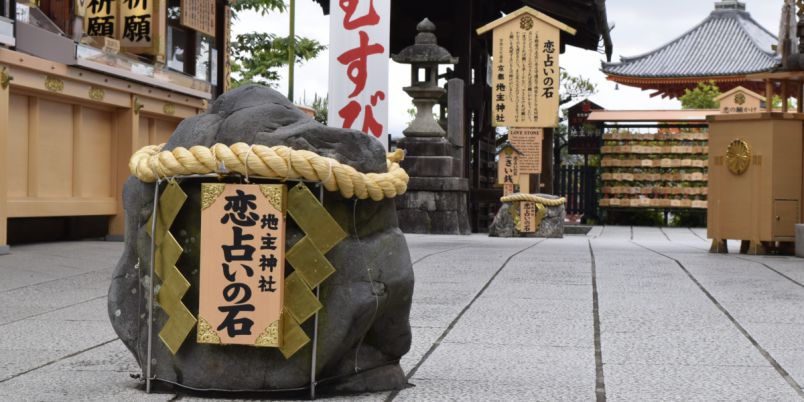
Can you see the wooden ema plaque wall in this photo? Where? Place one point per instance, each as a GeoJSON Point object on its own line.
{"type": "Point", "coordinates": [663, 170]}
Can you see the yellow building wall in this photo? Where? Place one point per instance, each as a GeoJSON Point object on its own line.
{"type": "Point", "coordinates": [66, 136]}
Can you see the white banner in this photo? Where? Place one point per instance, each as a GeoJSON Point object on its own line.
{"type": "Point", "coordinates": [359, 46]}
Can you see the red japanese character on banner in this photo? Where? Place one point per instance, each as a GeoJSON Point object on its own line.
{"type": "Point", "coordinates": [350, 6]}
{"type": "Point", "coordinates": [356, 60]}
{"type": "Point", "coordinates": [351, 112]}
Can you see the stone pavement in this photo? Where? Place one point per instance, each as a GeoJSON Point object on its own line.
{"type": "Point", "coordinates": [622, 314]}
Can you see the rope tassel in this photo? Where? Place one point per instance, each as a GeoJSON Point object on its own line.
{"type": "Point", "coordinates": [151, 163]}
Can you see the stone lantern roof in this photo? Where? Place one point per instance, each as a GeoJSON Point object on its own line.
{"type": "Point", "coordinates": [426, 49]}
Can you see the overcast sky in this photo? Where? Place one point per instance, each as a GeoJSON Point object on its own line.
{"type": "Point", "coordinates": [640, 26]}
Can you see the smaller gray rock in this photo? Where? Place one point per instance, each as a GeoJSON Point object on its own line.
{"type": "Point", "coordinates": [551, 227]}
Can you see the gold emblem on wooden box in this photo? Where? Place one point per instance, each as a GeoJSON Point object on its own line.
{"type": "Point", "coordinates": [54, 84]}
{"type": "Point", "coordinates": [738, 157]}
{"type": "Point", "coordinates": [96, 93]}
{"type": "Point", "coordinates": [169, 109]}
{"type": "Point", "coordinates": [5, 78]}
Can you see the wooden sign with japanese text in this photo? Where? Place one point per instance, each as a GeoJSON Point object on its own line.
{"type": "Point", "coordinates": [199, 15]}
{"type": "Point", "coordinates": [741, 100]}
{"type": "Point", "coordinates": [142, 27]}
{"type": "Point", "coordinates": [527, 217]}
{"type": "Point", "coordinates": [360, 41]}
{"type": "Point", "coordinates": [525, 70]}
{"type": "Point", "coordinates": [529, 142]}
{"type": "Point", "coordinates": [100, 18]}
{"type": "Point", "coordinates": [508, 167]}
{"type": "Point", "coordinates": [242, 276]}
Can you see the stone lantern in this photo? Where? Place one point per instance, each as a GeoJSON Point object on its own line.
{"type": "Point", "coordinates": [424, 57]}
{"type": "Point", "coordinates": [437, 197]}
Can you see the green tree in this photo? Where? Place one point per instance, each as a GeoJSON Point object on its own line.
{"type": "Point", "coordinates": [702, 97]}
{"type": "Point", "coordinates": [256, 56]}
{"type": "Point", "coordinates": [321, 107]}
{"type": "Point", "coordinates": [575, 88]}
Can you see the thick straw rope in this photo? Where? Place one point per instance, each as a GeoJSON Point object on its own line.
{"type": "Point", "coordinates": [151, 163]}
{"type": "Point", "coordinates": [520, 197]}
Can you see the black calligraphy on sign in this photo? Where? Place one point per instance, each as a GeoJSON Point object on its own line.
{"type": "Point", "coordinates": [500, 88]}
{"type": "Point", "coordinates": [240, 213]}
{"type": "Point", "coordinates": [137, 28]}
{"type": "Point", "coordinates": [100, 26]}
{"type": "Point", "coordinates": [133, 4]}
{"type": "Point", "coordinates": [549, 84]}
{"type": "Point", "coordinates": [100, 6]}
{"type": "Point", "coordinates": [268, 261]}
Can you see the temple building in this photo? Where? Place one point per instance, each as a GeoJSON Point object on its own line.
{"type": "Point", "coordinates": [456, 22]}
{"type": "Point", "coordinates": [83, 84]}
{"type": "Point", "coordinates": [726, 47]}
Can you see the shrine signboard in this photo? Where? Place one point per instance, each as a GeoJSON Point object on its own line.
{"type": "Point", "coordinates": [529, 142]}
{"type": "Point", "coordinates": [508, 168]}
{"type": "Point", "coordinates": [741, 100]}
{"type": "Point", "coordinates": [525, 70]}
{"type": "Point", "coordinates": [360, 36]}
{"type": "Point", "coordinates": [242, 275]}
{"type": "Point", "coordinates": [199, 15]}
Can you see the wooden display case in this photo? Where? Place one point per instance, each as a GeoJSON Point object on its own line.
{"type": "Point", "coordinates": [755, 179]}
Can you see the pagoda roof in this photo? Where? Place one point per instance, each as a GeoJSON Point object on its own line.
{"type": "Point", "coordinates": [727, 43]}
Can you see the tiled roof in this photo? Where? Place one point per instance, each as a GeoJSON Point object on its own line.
{"type": "Point", "coordinates": [728, 42]}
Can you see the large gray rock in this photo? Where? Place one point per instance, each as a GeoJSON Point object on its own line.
{"type": "Point", "coordinates": [364, 327]}
{"type": "Point", "coordinates": [552, 226]}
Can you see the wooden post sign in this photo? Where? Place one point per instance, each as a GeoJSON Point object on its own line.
{"type": "Point", "coordinates": [529, 142]}
{"type": "Point", "coordinates": [525, 71]}
{"type": "Point", "coordinates": [242, 279]}
{"type": "Point", "coordinates": [508, 168]}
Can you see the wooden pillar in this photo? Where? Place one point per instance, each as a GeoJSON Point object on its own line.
{"type": "Point", "coordinates": [784, 96]}
{"type": "Point", "coordinates": [126, 141]}
{"type": "Point", "coordinates": [547, 163]}
{"type": "Point", "coordinates": [799, 96]}
{"type": "Point", "coordinates": [4, 127]}
{"type": "Point", "coordinates": [769, 95]}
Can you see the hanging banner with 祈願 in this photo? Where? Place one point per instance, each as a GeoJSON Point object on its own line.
{"type": "Point", "coordinates": [242, 276]}
{"type": "Point", "coordinates": [100, 18]}
{"type": "Point", "coordinates": [525, 71]}
{"type": "Point", "coordinates": [360, 33]}
{"type": "Point", "coordinates": [142, 27]}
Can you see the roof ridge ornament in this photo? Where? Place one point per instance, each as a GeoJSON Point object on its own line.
{"type": "Point", "coordinates": [730, 5]}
